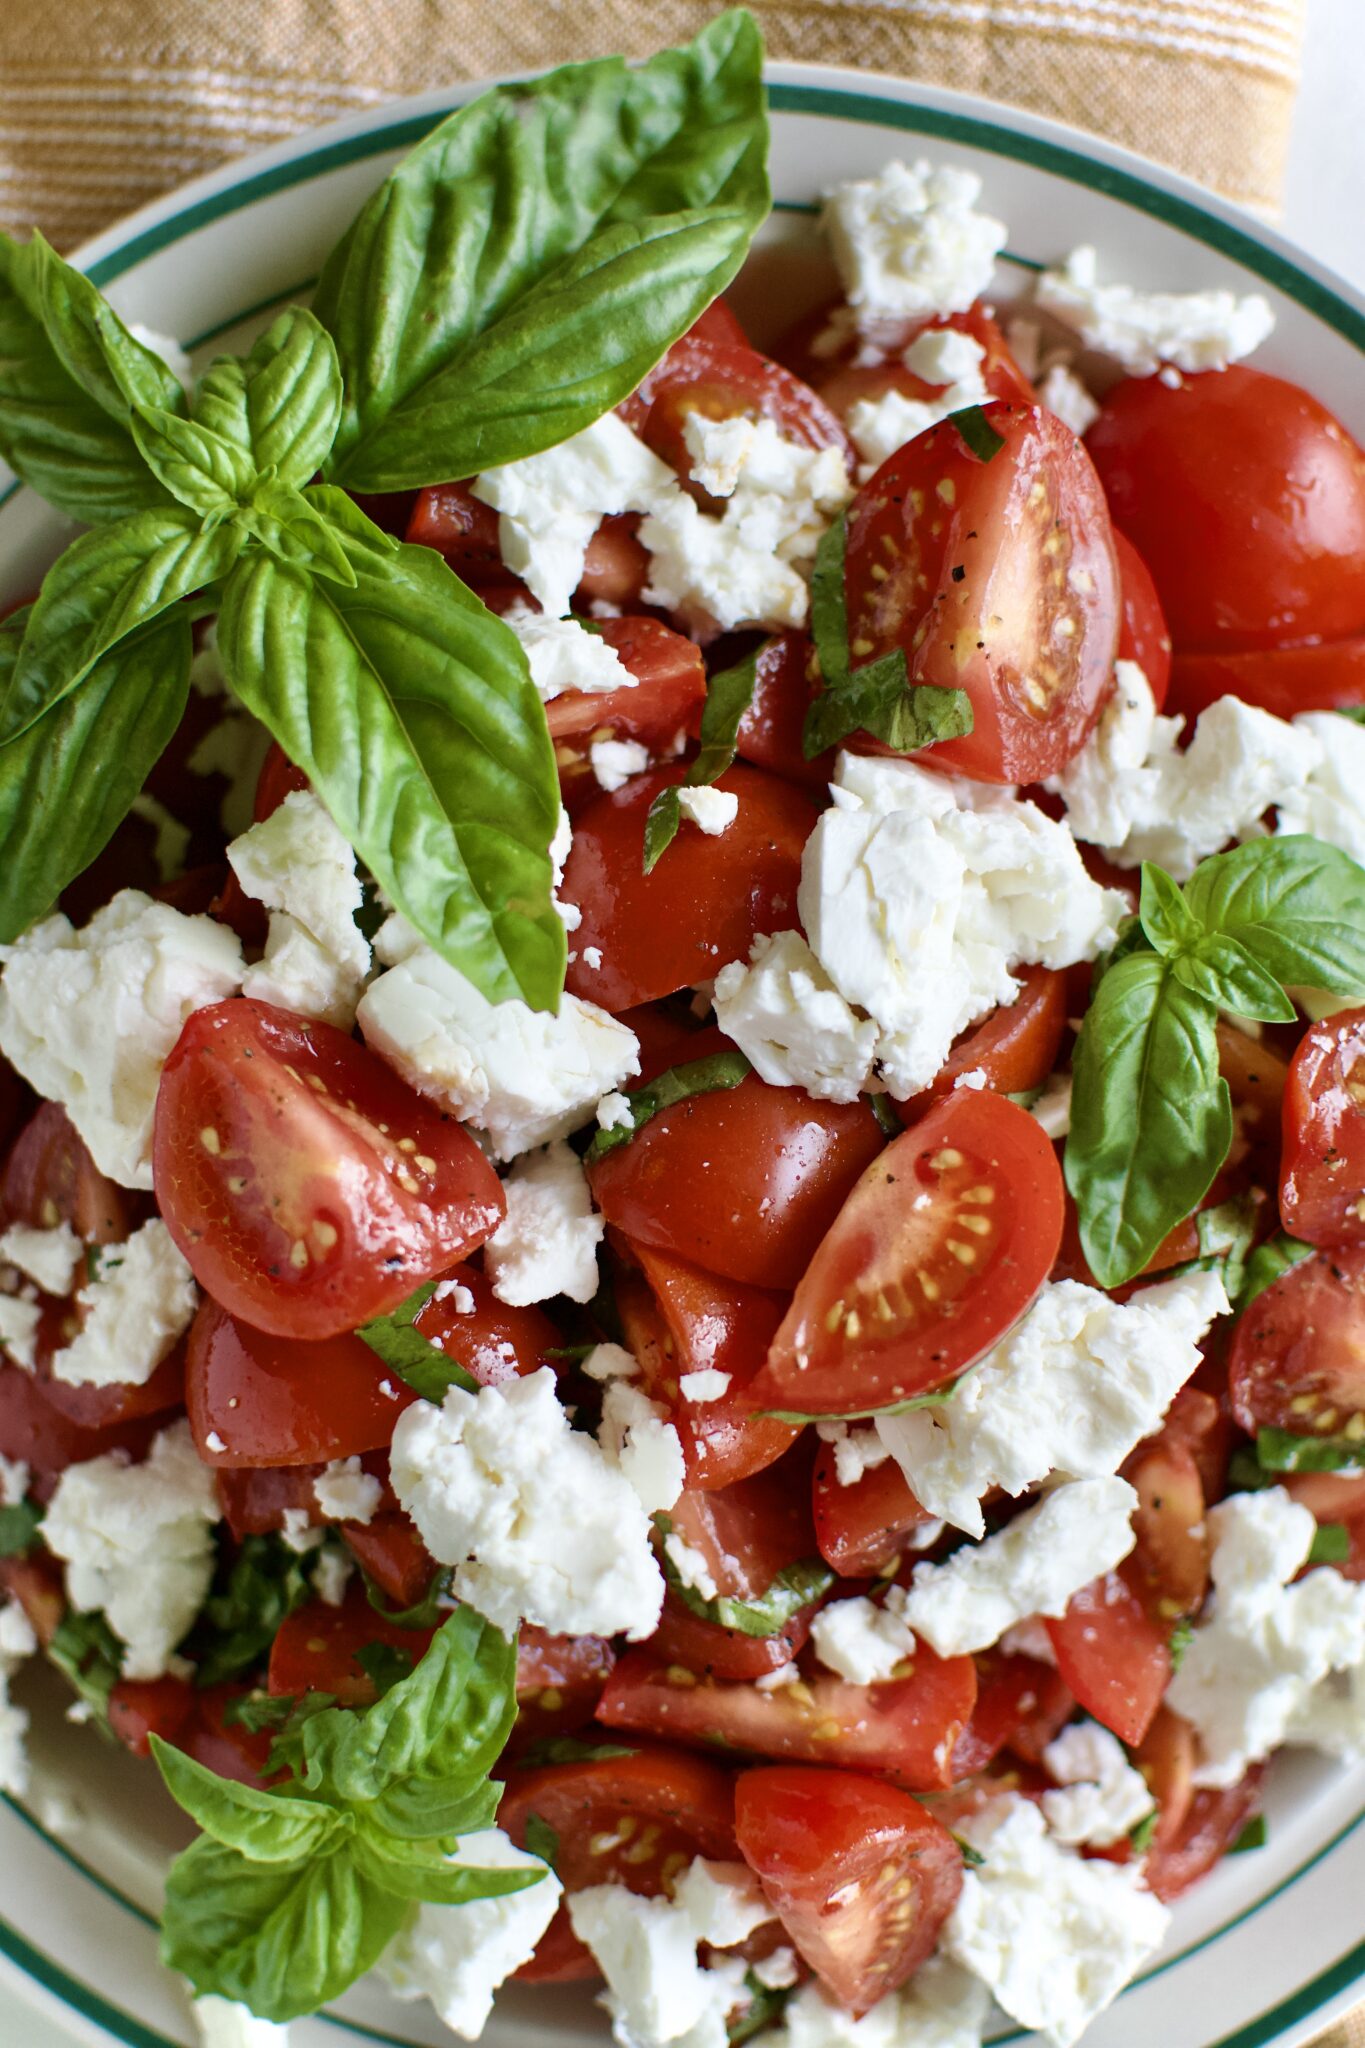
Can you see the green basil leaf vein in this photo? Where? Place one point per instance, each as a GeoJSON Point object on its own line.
{"type": "Point", "coordinates": [1295, 904]}
{"type": "Point", "coordinates": [282, 403]}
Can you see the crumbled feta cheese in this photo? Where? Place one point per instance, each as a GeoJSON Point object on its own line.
{"type": "Point", "coordinates": [494, 1479]}
{"type": "Point", "coordinates": [614, 1113]}
{"type": "Point", "coordinates": [908, 242]}
{"type": "Point", "coordinates": [1054, 1936]}
{"type": "Point", "coordinates": [857, 1449]}
{"type": "Point", "coordinates": [459, 1296]}
{"type": "Point", "coordinates": [140, 1303]}
{"type": "Point", "coordinates": [137, 1542]}
{"type": "Point", "coordinates": [941, 2007]}
{"type": "Point", "coordinates": [19, 1322]}
{"type": "Point", "coordinates": [299, 1532]}
{"type": "Point", "coordinates": [1029, 1639]}
{"type": "Point", "coordinates": [638, 1439]}
{"type": "Point", "coordinates": [861, 1641]}
{"type": "Point", "coordinates": [779, 1971]}
{"type": "Point", "coordinates": [17, 1642]}
{"type": "Point", "coordinates": [1262, 1664]}
{"type": "Point", "coordinates": [14, 1478]}
{"type": "Point", "coordinates": [223, 2023]}
{"type": "Point", "coordinates": [693, 1572]}
{"type": "Point", "coordinates": [563, 655]}
{"type": "Point", "coordinates": [610, 1362]}
{"type": "Point", "coordinates": [49, 1258]}
{"type": "Point", "coordinates": [775, 1681]}
{"type": "Point", "coordinates": [89, 1017]}
{"type": "Point", "coordinates": [302, 869]}
{"type": "Point", "coordinates": [1101, 1798]}
{"type": "Point", "coordinates": [215, 1443]}
{"type": "Point", "coordinates": [941, 355]}
{"type": "Point", "coordinates": [920, 892]}
{"type": "Point", "coordinates": [592, 957]}
{"type": "Point", "coordinates": [1142, 330]}
{"type": "Point", "coordinates": [333, 1570]}
{"type": "Point", "coordinates": [346, 1492]}
{"type": "Point", "coordinates": [615, 761]}
{"type": "Point", "coordinates": [549, 506]}
{"type": "Point", "coordinates": [1072, 1388]}
{"type": "Point", "coordinates": [457, 1956]}
{"type": "Point", "coordinates": [791, 1023]}
{"type": "Point", "coordinates": [569, 914]}
{"type": "Point", "coordinates": [719, 450]}
{"type": "Point", "coordinates": [707, 1385]}
{"type": "Point", "coordinates": [712, 811]}
{"type": "Point", "coordinates": [1132, 791]}
{"type": "Point", "coordinates": [524, 1076]}
{"type": "Point", "coordinates": [1077, 1533]}
{"type": "Point", "coordinates": [547, 1242]}
{"type": "Point", "coordinates": [723, 1901]}
{"type": "Point", "coordinates": [657, 1989]}
{"type": "Point", "coordinates": [1063, 393]}
{"type": "Point", "coordinates": [1331, 803]}
{"type": "Point", "coordinates": [1053, 1106]}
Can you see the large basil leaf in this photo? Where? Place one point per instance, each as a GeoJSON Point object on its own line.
{"type": "Point", "coordinates": [1151, 1117]}
{"type": "Point", "coordinates": [534, 256]}
{"type": "Point", "coordinates": [69, 780]}
{"type": "Point", "coordinates": [1295, 904]}
{"type": "Point", "coordinates": [410, 708]}
{"type": "Point", "coordinates": [269, 1827]}
{"type": "Point", "coordinates": [119, 373]}
{"type": "Point", "coordinates": [281, 405]}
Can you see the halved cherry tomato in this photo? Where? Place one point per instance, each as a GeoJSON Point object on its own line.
{"type": "Point", "coordinates": [860, 1528]}
{"type": "Point", "coordinates": [449, 518]}
{"type": "Point", "coordinates": [906, 1728]}
{"type": "Point", "coordinates": [1327, 675]}
{"type": "Point", "coordinates": [1143, 637]}
{"type": "Point", "coordinates": [678, 1320]}
{"type": "Point", "coordinates": [1166, 1757]}
{"type": "Point", "coordinates": [35, 1581]}
{"type": "Point", "coordinates": [1015, 1047]}
{"type": "Point", "coordinates": [255, 1499]}
{"type": "Point", "coordinates": [493, 1341]}
{"type": "Point", "coordinates": [636, 1820]}
{"type": "Point", "coordinates": [142, 1707]}
{"type": "Point", "coordinates": [743, 1182]}
{"type": "Point", "coordinates": [1246, 500]}
{"type": "Point", "coordinates": [224, 1746]}
{"type": "Point", "coordinates": [1210, 1825]}
{"type": "Point", "coordinates": [1020, 1705]}
{"type": "Point", "coordinates": [841, 380]}
{"type": "Point", "coordinates": [1322, 1176]}
{"type": "Point", "coordinates": [316, 1648]}
{"type": "Point", "coordinates": [257, 1399]}
{"type": "Point", "coordinates": [616, 566]}
{"type": "Point", "coordinates": [97, 1407]}
{"type": "Point", "coordinates": [1171, 1556]}
{"type": "Point", "coordinates": [940, 1247]}
{"type": "Point", "coordinates": [1298, 1352]}
{"type": "Point", "coordinates": [1115, 1658]}
{"type": "Point", "coordinates": [703, 903]}
{"type": "Point", "coordinates": [690, 1641]}
{"type": "Point", "coordinates": [860, 1875]}
{"type": "Point", "coordinates": [1258, 1077]}
{"type": "Point", "coordinates": [770, 731]}
{"type": "Point", "coordinates": [559, 1682]}
{"type": "Point", "coordinates": [308, 1187]}
{"type": "Point", "coordinates": [721, 380]}
{"type": "Point", "coordinates": [752, 1530]}
{"type": "Point", "coordinates": [1328, 1496]}
{"type": "Point", "coordinates": [389, 1550]}
{"type": "Point", "coordinates": [49, 1178]}
{"type": "Point", "coordinates": [998, 578]}
{"type": "Point", "coordinates": [663, 704]}
{"type": "Point", "coordinates": [39, 1435]}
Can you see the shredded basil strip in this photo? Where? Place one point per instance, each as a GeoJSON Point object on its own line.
{"type": "Point", "coordinates": [694, 1077]}
{"type": "Point", "coordinates": [794, 1588]}
{"type": "Point", "coordinates": [977, 433]}
{"type": "Point", "coordinates": [19, 1526]}
{"type": "Point", "coordinates": [1331, 1544]}
{"type": "Point", "coordinates": [419, 1362]}
{"type": "Point", "coordinates": [1253, 1836]}
{"type": "Point", "coordinates": [1279, 1451]}
{"type": "Point", "coordinates": [1270, 1262]}
{"type": "Point", "coordinates": [728, 696]}
{"type": "Point", "coordinates": [933, 1399]}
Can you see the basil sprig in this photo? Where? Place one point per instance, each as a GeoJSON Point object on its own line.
{"type": "Point", "coordinates": [1151, 1116]}
{"type": "Point", "coordinates": [878, 697]}
{"type": "Point", "coordinates": [694, 1077]}
{"type": "Point", "coordinates": [728, 696]}
{"type": "Point", "coordinates": [513, 279]}
{"type": "Point", "coordinates": [289, 1895]}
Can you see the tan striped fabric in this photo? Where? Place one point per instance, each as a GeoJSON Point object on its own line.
{"type": "Point", "coordinates": [105, 103]}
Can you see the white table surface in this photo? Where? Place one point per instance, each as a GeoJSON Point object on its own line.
{"type": "Point", "coordinates": [1325, 211]}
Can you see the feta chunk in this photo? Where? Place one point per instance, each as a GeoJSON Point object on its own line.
{"type": "Point", "coordinates": [615, 761]}
{"type": "Point", "coordinates": [657, 1989]}
{"type": "Point", "coordinates": [1331, 803]}
{"type": "Point", "coordinates": [1133, 793]}
{"type": "Point", "coordinates": [14, 1479]}
{"type": "Point", "coordinates": [1063, 393]}
{"type": "Point", "coordinates": [879, 426]}
{"type": "Point", "coordinates": [857, 1449]}
{"type": "Point", "coordinates": [908, 242]}
{"type": "Point", "coordinates": [640, 1442]}
{"type": "Point", "coordinates": [223, 2023]}
{"type": "Point", "coordinates": [49, 1258]}
{"type": "Point", "coordinates": [1053, 1936]}
{"type": "Point", "coordinates": [1100, 1797]}
{"type": "Point", "coordinates": [494, 1479]}
{"type": "Point", "coordinates": [302, 869]}
{"type": "Point", "coordinates": [524, 1076]}
{"type": "Point", "coordinates": [791, 1023]}
{"type": "Point", "coordinates": [1261, 1669]}
{"type": "Point", "coordinates": [691, 1568]}
{"type": "Point", "coordinates": [614, 1112]}
{"type": "Point", "coordinates": [919, 892]}
{"type": "Point", "coordinates": [712, 811]}
{"type": "Point", "coordinates": [457, 1956]}
{"type": "Point", "coordinates": [719, 450]}
{"type": "Point", "coordinates": [547, 1242]}
{"type": "Point", "coordinates": [550, 505]}
{"type": "Point", "coordinates": [707, 1385]}
{"type": "Point", "coordinates": [333, 1569]}
{"type": "Point", "coordinates": [1077, 1533]}
{"type": "Point", "coordinates": [563, 655]}
{"type": "Point", "coordinates": [1141, 330]}
{"type": "Point", "coordinates": [17, 1643]}
{"type": "Point", "coordinates": [19, 1322]}
{"type": "Point", "coordinates": [1072, 1388]}
{"type": "Point", "coordinates": [345, 1492]}
{"type": "Point", "coordinates": [861, 1641]}
{"type": "Point", "coordinates": [941, 2007]}
{"type": "Point", "coordinates": [136, 1309]}
{"type": "Point", "coordinates": [137, 1541]}
{"type": "Point", "coordinates": [89, 1017]}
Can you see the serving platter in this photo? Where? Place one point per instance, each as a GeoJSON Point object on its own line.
{"type": "Point", "coordinates": [1269, 1949]}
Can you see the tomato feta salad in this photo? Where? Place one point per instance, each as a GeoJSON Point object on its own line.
{"type": "Point", "coordinates": [682, 1222]}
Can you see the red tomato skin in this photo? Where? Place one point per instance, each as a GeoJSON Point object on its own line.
{"type": "Point", "coordinates": [1327, 675]}
{"type": "Point", "coordinates": [1297, 1360]}
{"type": "Point", "coordinates": [770, 731]}
{"type": "Point", "coordinates": [1210, 1826]}
{"type": "Point", "coordinates": [39, 1435]}
{"type": "Point", "coordinates": [719, 380]}
{"type": "Point", "coordinates": [1116, 1660]}
{"type": "Point", "coordinates": [315, 1648]}
{"type": "Point", "coordinates": [1322, 1173]}
{"type": "Point", "coordinates": [743, 1182]}
{"type": "Point", "coordinates": [559, 1682]}
{"type": "Point", "coordinates": [1021, 1705]}
{"type": "Point", "coordinates": [861, 1528]}
{"type": "Point", "coordinates": [860, 1875]}
{"type": "Point", "coordinates": [956, 534]}
{"type": "Point", "coordinates": [970, 1142]}
{"type": "Point", "coordinates": [703, 903]}
{"type": "Point", "coordinates": [255, 1499]}
{"type": "Point", "coordinates": [1143, 635]}
{"type": "Point", "coordinates": [690, 1641]}
{"type": "Point", "coordinates": [49, 1178]}
{"type": "Point", "coordinates": [664, 703]}
{"type": "Point", "coordinates": [333, 1225]}
{"type": "Point", "coordinates": [222, 1746]}
{"type": "Point", "coordinates": [389, 1550]}
{"type": "Point", "coordinates": [274, 1401]}
{"type": "Point", "coordinates": [36, 1582]}
{"type": "Point", "coordinates": [905, 1728]}
{"type": "Point", "coordinates": [494, 1342]}
{"type": "Point", "coordinates": [1246, 500]}
{"type": "Point", "coordinates": [750, 1531]}
{"type": "Point", "coordinates": [1015, 1047]}
{"type": "Point", "coordinates": [279, 777]}
{"type": "Point", "coordinates": [142, 1707]}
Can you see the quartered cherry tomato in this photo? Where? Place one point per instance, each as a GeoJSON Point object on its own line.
{"type": "Point", "coordinates": [862, 1527]}
{"type": "Point", "coordinates": [308, 1187]}
{"type": "Point", "coordinates": [996, 577]}
{"type": "Point", "coordinates": [770, 730]}
{"type": "Point", "coordinates": [664, 701]}
{"type": "Point", "coordinates": [841, 380]}
{"type": "Point", "coordinates": [49, 1178]}
{"type": "Point", "coordinates": [1209, 1823]}
{"type": "Point", "coordinates": [1171, 1556]}
{"type": "Point", "coordinates": [942, 1245]}
{"type": "Point", "coordinates": [1326, 675]}
{"type": "Point", "coordinates": [690, 1642]}
{"type": "Point", "coordinates": [389, 1550]}
{"type": "Point", "coordinates": [1143, 636]}
{"type": "Point", "coordinates": [218, 1740]}
{"type": "Point", "coordinates": [256, 1499]}
{"type": "Point", "coordinates": [559, 1682]}
{"type": "Point", "coordinates": [722, 380]}
{"type": "Point", "coordinates": [749, 1532]}
{"type": "Point", "coordinates": [1246, 500]}
{"type": "Point", "coordinates": [491, 1339]}
{"type": "Point", "coordinates": [1021, 1704]}
{"type": "Point", "coordinates": [860, 1875]}
{"type": "Point", "coordinates": [1015, 1047]}
{"type": "Point", "coordinates": [1115, 1658]}
{"type": "Point", "coordinates": [36, 1433]}
{"type": "Point", "coordinates": [1322, 1177]}
{"type": "Point", "coordinates": [316, 1648]}
{"type": "Point", "coordinates": [142, 1707]}
{"type": "Point", "coordinates": [1297, 1360]}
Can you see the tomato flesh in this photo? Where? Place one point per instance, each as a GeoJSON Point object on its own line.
{"type": "Point", "coordinates": [36, 1433]}
{"type": "Point", "coordinates": [316, 1648]}
{"type": "Point", "coordinates": [49, 1178]}
{"type": "Point", "coordinates": [389, 1550]}
{"type": "Point", "coordinates": [140, 1708]}
{"type": "Point", "coordinates": [491, 1339]}
{"type": "Point", "coordinates": [687, 1640]}
{"type": "Point", "coordinates": [1322, 1177]}
{"type": "Point", "coordinates": [862, 1527]}
{"type": "Point", "coordinates": [770, 730]}
{"type": "Point", "coordinates": [942, 1245]}
{"type": "Point", "coordinates": [1021, 1704]}
{"type": "Point", "coordinates": [998, 578]}
{"type": "Point", "coordinates": [860, 1875]}
{"type": "Point", "coordinates": [308, 1187]}
{"type": "Point", "coordinates": [1324, 675]}
{"type": "Point", "coordinates": [1297, 1360]}
{"type": "Point", "coordinates": [1015, 1047]}
{"type": "Point", "coordinates": [1209, 1826]}
{"type": "Point", "coordinates": [559, 1682]}
{"type": "Point", "coordinates": [1116, 1660]}
{"type": "Point", "coordinates": [720, 380]}
{"type": "Point", "coordinates": [665, 700]}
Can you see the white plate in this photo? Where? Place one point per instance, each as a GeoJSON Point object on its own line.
{"type": "Point", "coordinates": [1269, 1949]}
